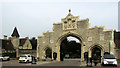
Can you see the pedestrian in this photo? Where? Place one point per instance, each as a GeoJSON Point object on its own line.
{"type": "Point", "coordinates": [61, 56]}
{"type": "Point", "coordinates": [95, 59]}
{"type": "Point", "coordinates": [54, 55]}
{"type": "Point", "coordinates": [33, 60]}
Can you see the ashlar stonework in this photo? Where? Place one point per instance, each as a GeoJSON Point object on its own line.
{"type": "Point", "coordinates": [89, 37]}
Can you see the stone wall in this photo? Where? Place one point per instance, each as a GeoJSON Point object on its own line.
{"type": "Point", "coordinates": [32, 52]}
{"type": "Point", "coordinates": [88, 36]}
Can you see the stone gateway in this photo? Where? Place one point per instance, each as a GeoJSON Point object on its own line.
{"type": "Point", "coordinates": [92, 39]}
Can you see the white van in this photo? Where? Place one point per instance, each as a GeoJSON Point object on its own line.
{"type": "Point", "coordinates": [25, 58]}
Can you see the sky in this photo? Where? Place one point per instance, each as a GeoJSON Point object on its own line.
{"type": "Point", "coordinates": [33, 17]}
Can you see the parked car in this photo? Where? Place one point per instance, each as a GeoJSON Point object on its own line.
{"type": "Point", "coordinates": [4, 57]}
{"type": "Point", "coordinates": [25, 58]}
{"type": "Point", "coordinates": [109, 59]}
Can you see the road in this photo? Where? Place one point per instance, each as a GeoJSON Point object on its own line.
{"type": "Point", "coordinates": [71, 63]}
{"type": "Point", "coordinates": [16, 63]}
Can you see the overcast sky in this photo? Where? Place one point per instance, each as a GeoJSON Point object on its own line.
{"type": "Point", "coordinates": [33, 17]}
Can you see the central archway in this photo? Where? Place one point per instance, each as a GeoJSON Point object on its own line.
{"type": "Point", "coordinates": [81, 56]}
{"type": "Point", "coordinates": [70, 48]}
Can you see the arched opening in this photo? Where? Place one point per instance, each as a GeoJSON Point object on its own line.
{"type": "Point", "coordinates": [70, 47]}
{"type": "Point", "coordinates": [96, 51]}
{"type": "Point", "coordinates": [48, 53]}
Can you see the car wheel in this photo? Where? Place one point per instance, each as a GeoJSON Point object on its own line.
{"type": "Point", "coordinates": [8, 59]}
{"type": "Point", "coordinates": [19, 62]}
{"type": "Point", "coordinates": [102, 64]}
{"type": "Point", "coordinates": [0, 60]}
{"type": "Point", "coordinates": [115, 65]}
{"type": "Point", "coordinates": [31, 62]}
{"type": "Point", "coordinates": [27, 61]}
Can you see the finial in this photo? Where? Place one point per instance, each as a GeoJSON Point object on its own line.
{"type": "Point", "coordinates": [69, 10]}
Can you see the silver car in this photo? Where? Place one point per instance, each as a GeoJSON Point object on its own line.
{"type": "Point", "coordinates": [4, 57]}
{"type": "Point", "coordinates": [109, 59]}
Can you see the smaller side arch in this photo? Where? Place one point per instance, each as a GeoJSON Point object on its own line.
{"type": "Point", "coordinates": [46, 47]}
{"type": "Point", "coordinates": [98, 46]}
{"type": "Point", "coordinates": [44, 54]}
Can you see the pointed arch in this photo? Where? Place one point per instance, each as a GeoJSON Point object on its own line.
{"type": "Point", "coordinates": [100, 48]}
{"type": "Point", "coordinates": [96, 45]}
{"type": "Point", "coordinates": [47, 52]}
{"type": "Point", "coordinates": [79, 37]}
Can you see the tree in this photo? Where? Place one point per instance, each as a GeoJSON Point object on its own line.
{"type": "Point", "coordinates": [34, 43]}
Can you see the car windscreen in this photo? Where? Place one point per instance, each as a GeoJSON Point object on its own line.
{"type": "Point", "coordinates": [2, 55]}
{"type": "Point", "coordinates": [108, 56]}
{"type": "Point", "coordinates": [22, 56]}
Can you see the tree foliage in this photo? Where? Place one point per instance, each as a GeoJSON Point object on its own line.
{"type": "Point", "coordinates": [34, 43]}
